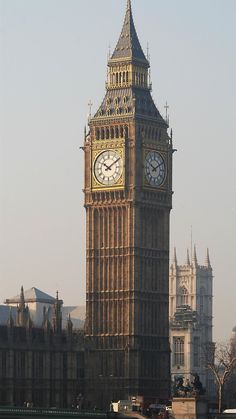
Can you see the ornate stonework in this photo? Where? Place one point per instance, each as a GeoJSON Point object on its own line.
{"type": "Point", "coordinates": [128, 198]}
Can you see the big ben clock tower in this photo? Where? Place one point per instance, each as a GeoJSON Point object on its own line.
{"type": "Point", "coordinates": [128, 198]}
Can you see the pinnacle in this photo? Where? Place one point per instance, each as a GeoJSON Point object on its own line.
{"type": "Point", "coordinates": [128, 45]}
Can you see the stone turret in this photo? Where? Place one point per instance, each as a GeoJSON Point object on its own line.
{"type": "Point", "coordinates": [22, 314]}
{"type": "Point", "coordinates": [57, 315]}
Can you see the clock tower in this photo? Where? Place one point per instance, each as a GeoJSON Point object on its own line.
{"type": "Point", "coordinates": [128, 198]}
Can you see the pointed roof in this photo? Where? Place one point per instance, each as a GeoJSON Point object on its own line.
{"type": "Point", "coordinates": [207, 261]}
{"type": "Point", "coordinates": [188, 258]}
{"type": "Point", "coordinates": [31, 295]}
{"type": "Point", "coordinates": [128, 45]}
{"type": "Point", "coordinates": [195, 255]}
{"type": "Point", "coordinates": [175, 257]}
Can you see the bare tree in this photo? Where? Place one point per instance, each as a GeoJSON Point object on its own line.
{"type": "Point", "coordinates": [221, 361]}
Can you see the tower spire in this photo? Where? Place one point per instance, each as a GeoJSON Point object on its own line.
{"type": "Point", "coordinates": [129, 5]}
{"type": "Point", "coordinates": [207, 261]}
{"type": "Point", "coordinates": [188, 258]}
{"type": "Point", "coordinates": [128, 45]}
{"type": "Point", "coordinates": [195, 255]}
{"type": "Point", "coordinates": [175, 262]}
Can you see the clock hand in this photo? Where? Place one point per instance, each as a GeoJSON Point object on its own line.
{"type": "Point", "coordinates": [155, 168]}
{"type": "Point", "coordinates": [107, 167]}
{"type": "Point", "coordinates": [114, 162]}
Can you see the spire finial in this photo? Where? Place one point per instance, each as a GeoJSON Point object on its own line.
{"type": "Point", "coordinates": [22, 298]}
{"type": "Point", "coordinates": [195, 255]}
{"type": "Point", "coordinates": [175, 257]}
{"type": "Point", "coordinates": [207, 261]}
{"type": "Point", "coordinates": [128, 4]}
{"type": "Point", "coordinates": [188, 259]}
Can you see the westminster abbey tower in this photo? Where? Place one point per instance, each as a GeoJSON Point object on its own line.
{"type": "Point", "coordinates": [128, 198]}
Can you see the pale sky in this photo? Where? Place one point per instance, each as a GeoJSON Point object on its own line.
{"type": "Point", "coordinates": [53, 56]}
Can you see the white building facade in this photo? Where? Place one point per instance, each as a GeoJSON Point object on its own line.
{"type": "Point", "coordinates": [191, 318]}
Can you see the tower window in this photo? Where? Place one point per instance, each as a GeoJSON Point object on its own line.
{"type": "Point", "coordinates": [97, 134]}
{"type": "Point", "coordinates": [112, 132]}
{"type": "Point", "coordinates": [117, 132]}
{"type": "Point", "coordinates": [107, 133]}
{"type": "Point", "coordinates": [178, 343]}
{"type": "Point", "coordinates": [183, 296]}
{"type": "Point", "coordinates": [102, 134]}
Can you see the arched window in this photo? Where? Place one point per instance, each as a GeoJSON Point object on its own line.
{"type": "Point", "coordinates": [183, 296]}
{"type": "Point", "coordinates": [112, 132]}
{"type": "Point", "coordinates": [117, 78]}
{"type": "Point", "coordinates": [97, 134]}
{"type": "Point", "coordinates": [121, 132]}
{"type": "Point", "coordinates": [107, 134]}
{"type": "Point", "coordinates": [117, 132]}
{"type": "Point", "coordinates": [102, 134]}
{"type": "Point", "coordinates": [126, 132]}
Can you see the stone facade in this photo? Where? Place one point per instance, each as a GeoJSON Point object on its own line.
{"type": "Point", "coordinates": [191, 318]}
{"type": "Point", "coordinates": [128, 198]}
{"type": "Point", "coordinates": [43, 365]}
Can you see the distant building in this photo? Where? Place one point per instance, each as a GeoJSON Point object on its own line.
{"type": "Point", "coordinates": [190, 318]}
{"type": "Point", "coordinates": [40, 362]}
{"type": "Point", "coordinates": [230, 385]}
{"type": "Point", "coordinates": [38, 303]}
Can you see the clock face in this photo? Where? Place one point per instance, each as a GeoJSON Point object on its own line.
{"type": "Point", "coordinates": [155, 169]}
{"type": "Point", "coordinates": [108, 167]}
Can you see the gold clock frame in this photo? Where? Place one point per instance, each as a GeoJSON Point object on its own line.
{"type": "Point", "coordinates": [119, 147]}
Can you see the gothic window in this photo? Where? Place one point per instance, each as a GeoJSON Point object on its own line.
{"type": "Point", "coordinates": [196, 346]}
{"type": "Point", "coordinates": [97, 134]}
{"type": "Point", "coordinates": [122, 132]}
{"type": "Point", "coordinates": [178, 352]}
{"type": "Point", "coordinates": [126, 132]}
{"type": "Point", "coordinates": [117, 132]}
{"type": "Point", "coordinates": [107, 134]}
{"type": "Point", "coordinates": [120, 78]}
{"type": "Point", "coordinates": [127, 76]}
{"type": "Point", "coordinates": [112, 132]}
{"type": "Point", "coordinates": [117, 78]}
{"type": "Point", "coordinates": [124, 77]}
{"type": "Point", "coordinates": [102, 134]}
{"type": "Point", "coordinates": [183, 296]}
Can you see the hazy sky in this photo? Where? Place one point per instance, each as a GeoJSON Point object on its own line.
{"type": "Point", "coordinates": [53, 56]}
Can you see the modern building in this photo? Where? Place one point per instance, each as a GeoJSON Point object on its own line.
{"type": "Point", "coordinates": [128, 198]}
{"type": "Point", "coordinates": [191, 318]}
